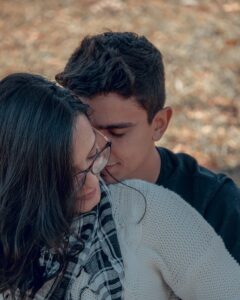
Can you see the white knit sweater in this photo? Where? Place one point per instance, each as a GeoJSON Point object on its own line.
{"type": "Point", "coordinates": [168, 249]}
{"type": "Point", "coordinates": [171, 251]}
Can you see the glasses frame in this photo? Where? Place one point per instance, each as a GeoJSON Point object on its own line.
{"type": "Point", "coordinates": [90, 168]}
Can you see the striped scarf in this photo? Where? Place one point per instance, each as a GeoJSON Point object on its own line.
{"type": "Point", "coordinates": [93, 248]}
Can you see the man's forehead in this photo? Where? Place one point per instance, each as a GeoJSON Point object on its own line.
{"type": "Point", "coordinates": [111, 111]}
{"type": "Point", "coordinates": [111, 101]}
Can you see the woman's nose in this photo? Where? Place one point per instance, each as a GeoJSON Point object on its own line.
{"type": "Point", "coordinates": [91, 181]}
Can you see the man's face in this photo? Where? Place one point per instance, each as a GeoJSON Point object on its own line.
{"type": "Point", "coordinates": [125, 123]}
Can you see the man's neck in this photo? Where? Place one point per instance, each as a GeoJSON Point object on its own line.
{"type": "Point", "coordinates": [151, 170]}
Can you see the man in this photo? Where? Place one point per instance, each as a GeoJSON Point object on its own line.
{"type": "Point", "coordinates": [121, 76]}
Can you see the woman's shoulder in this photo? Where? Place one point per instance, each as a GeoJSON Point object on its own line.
{"type": "Point", "coordinates": [156, 200]}
{"type": "Point", "coordinates": [136, 190]}
{"type": "Point", "coordinates": [164, 214]}
{"type": "Point", "coordinates": [130, 198]}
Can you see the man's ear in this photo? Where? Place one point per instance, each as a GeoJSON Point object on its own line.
{"type": "Point", "coordinates": [160, 122]}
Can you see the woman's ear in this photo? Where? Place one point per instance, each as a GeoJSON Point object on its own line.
{"type": "Point", "coordinates": [160, 122]}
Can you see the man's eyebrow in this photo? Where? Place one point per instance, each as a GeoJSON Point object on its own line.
{"type": "Point", "coordinates": [116, 126]}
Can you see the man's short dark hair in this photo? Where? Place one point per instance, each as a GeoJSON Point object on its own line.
{"type": "Point", "coordinates": [119, 62]}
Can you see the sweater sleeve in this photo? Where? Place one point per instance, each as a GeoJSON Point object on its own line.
{"type": "Point", "coordinates": [214, 275]}
{"type": "Point", "coordinates": [188, 253]}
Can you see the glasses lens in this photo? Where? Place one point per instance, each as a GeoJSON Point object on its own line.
{"type": "Point", "coordinates": [101, 161]}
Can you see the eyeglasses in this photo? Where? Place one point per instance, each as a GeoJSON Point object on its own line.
{"type": "Point", "coordinates": [98, 164]}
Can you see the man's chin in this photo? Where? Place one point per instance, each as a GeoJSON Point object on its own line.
{"type": "Point", "coordinates": [109, 179]}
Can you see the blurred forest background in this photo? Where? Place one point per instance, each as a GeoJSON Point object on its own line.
{"type": "Point", "coordinates": [200, 42]}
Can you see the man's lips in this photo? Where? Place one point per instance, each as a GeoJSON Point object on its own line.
{"type": "Point", "coordinates": [109, 167]}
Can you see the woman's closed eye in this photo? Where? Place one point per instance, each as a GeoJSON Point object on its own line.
{"type": "Point", "coordinates": [89, 160]}
{"type": "Point", "coordinates": [91, 156]}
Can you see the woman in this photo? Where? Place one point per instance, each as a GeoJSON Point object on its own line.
{"type": "Point", "coordinates": [50, 159]}
{"type": "Point", "coordinates": [58, 240]}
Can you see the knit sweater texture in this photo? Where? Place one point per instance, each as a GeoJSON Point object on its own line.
{"type": "Point", "coordinates": [169, 250]}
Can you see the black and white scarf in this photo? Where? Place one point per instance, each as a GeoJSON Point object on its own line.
{"type": "Point", "coordinates": [94, 248]}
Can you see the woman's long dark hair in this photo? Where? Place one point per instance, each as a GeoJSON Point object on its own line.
{"type": "Point", "coordinates": [36, 123]}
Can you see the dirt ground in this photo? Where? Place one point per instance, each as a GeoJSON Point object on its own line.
{"type": "Point", "coordinates": [200, 41]}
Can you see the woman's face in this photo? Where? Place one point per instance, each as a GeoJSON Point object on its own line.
{"type": "Point", "coordinates": [84, 151]}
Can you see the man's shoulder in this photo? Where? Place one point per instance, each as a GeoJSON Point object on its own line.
{"type": "Point", "coordinates": [184, 163]}
{"type": "Point", "coordinates": [196, 184]}
{"type": "Point", "coordinates": [176, 167]}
